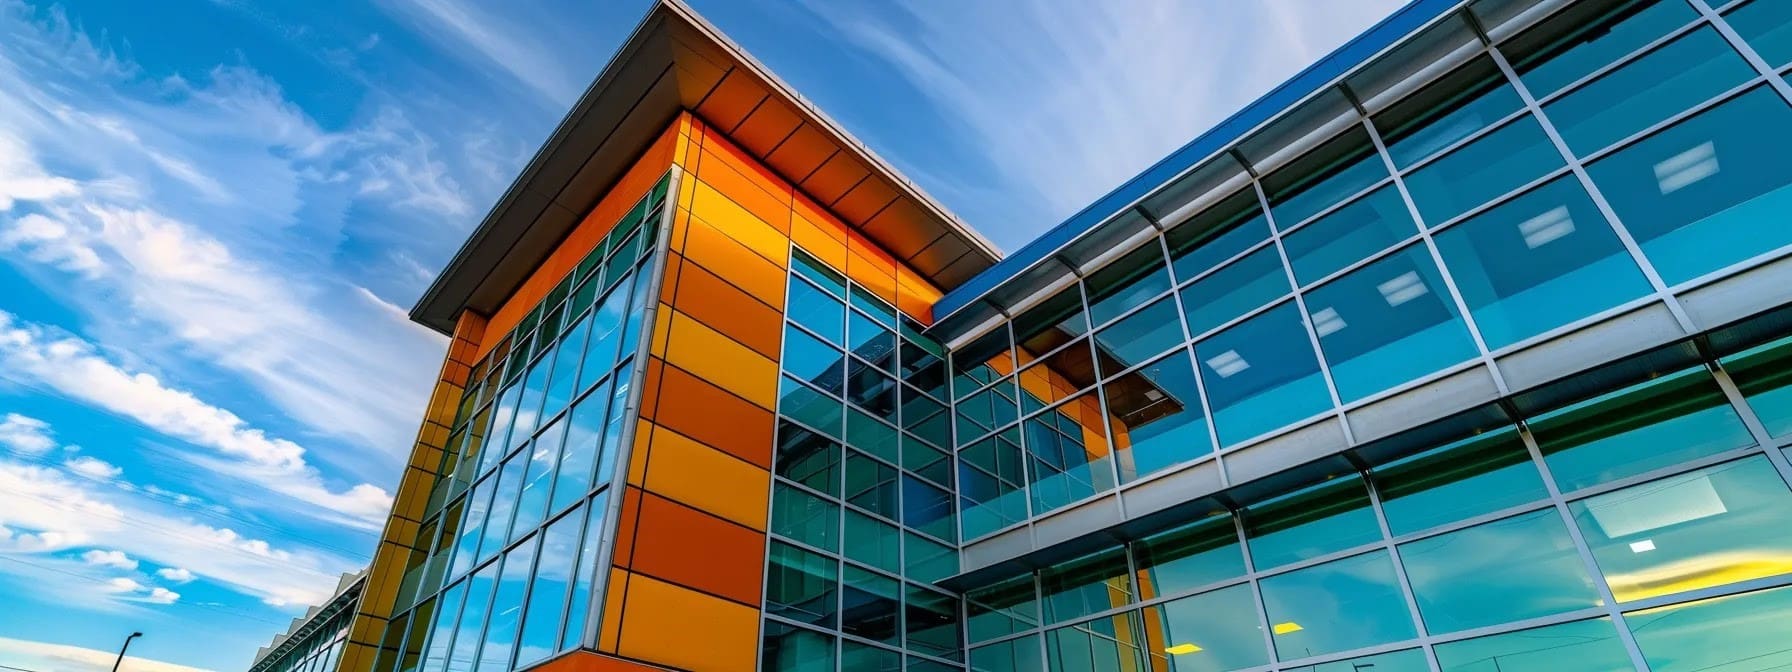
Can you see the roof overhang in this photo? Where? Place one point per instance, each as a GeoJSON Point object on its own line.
{"type": "Point", "coordinates": [674, 62]}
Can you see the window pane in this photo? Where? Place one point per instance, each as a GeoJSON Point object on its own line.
{"type": "Point", "coordinates": [855, 656]}
{"type": "Point", "coordinates": [1590, 645]}
{"type": "Point", "coordinates": [468, 634]}
{"type": "Point", "coordinates": [532, 503]}
{"type": "Point", "coordinates": [871, 606]}
{"type": "Point", "coordinates": [1102, 645]}
{"type": "Point", "coordinates": [1648, 426]}
{"type": "Point", "coordinates": [1767, 26]}
{"type": "Point", "coordinates": [497, 520]}
{"type": "Point", "coordinates": [1187, 558]}
{"type": "Point", "coordinates": [1469, 478]}
{"type": "Point", "coordinates": [1337, 170]}
{"type": "Point", "coordinates": [799, 585]}
{"type": "Point", "coordinates": [1127, 283]}
{"type": "Point", "coordinates": [1507, 570]}
{"type": "Point", "coordinates": [933, 624]}
{"type": "Point", "coordinates": [1261, 375]}
{"type": "Point", "coordinates": [1211, 632]}
{"type": "Point", "coordinates": [1349, 234]}
{"type": "Point", "coordinates": [1496, 163]}
{"type": "Point", "coordinates": [1054, 322]}
{"type": "Point", "coordinates": [927, 462]}
{"type": "Point", "coordinates": [1338, 606]}
{"type": "Point", "coordinates": [812, 408]}
{"type": "Point", "coordinates": [1003, 609]}
{"type": "Point", "coordinates": [985, 411]}
{"type": "Point", "coordinates": [928, 509]}
{"type": "Point", "coordinates": [804, 517]}
{"type": "Point", "coordinates": [808, 267]}
{"type": "Point", "coordinates": [871, 435]}
{"type": "Point", "coordinates": [873, 542]}
{"type": "Point", "coordinates": [1551, 60]}
{"type": "Point", "coordinates": [1085, 586]}
{"type": "Point", "coordinates": [1742, 632]}
{"type": "Point", "coordinates": [1156, 416]}
{"type": "Point", "coordinates": [1644, 92]}
{"type": "Point", "coordinates": [788, 648]}
{"type": "Point", "coordinates": [1069, 451]}
{"type": "Point", "coordinates": [1139, 337]}
{"type": "Point", "coordinates": [1707, 192]}
{"type": "Point", "coordinates": [923, 363]}
{"type": "Point", "coordinates": [507, 609]}
{"type": "Point", "coordinates": [1410, 660]}
{"type": "Point", "coordinates": [1538, 262]}
{"type": "Point", "coordinates": [816, 310]}
{"type": "Point", "coordinates": [927, 560]}
{"type": "Point", "coordinates": [580, 452]}
{"type": "Point", "coordinates": [810, 359]}
{"type": "Point", "coordinates": [1069, 370]}
{"type": "Point", "coordinates": [1714, 526]}
{"type": "Point", "coordinates": [991, 484]}
{"type": "Point", "coordinates": [1463, 102]}
{"type": "Point", "coordinates": [1215, 235]}
{"type": "Point", "coordinates": [1388, 323]}
{"type": "Point", "coordinates": [808, 458]}
{"type": "Point", "coordinates": [1017, 655]}
{"type": "Point", "coordinates": [584, 587]}
{"type": "Point", "coordinates": [1310, 523]}
{"type": "Point", "coordinates": [547, 596]}
{"type": "Point", "coordinates": [871, 390]}
{"type": "Point", "coordinates": [1240, 288]}
{"type": "Point", "coordinates": [926, 418]}
{"type": "Point", "coordinates": [1764, 375]}
{"type": "Point", "coordinates": [980, 362]}
{"type": "Point", "coordinates": [871, 341]}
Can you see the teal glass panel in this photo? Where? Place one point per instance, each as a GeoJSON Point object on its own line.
{"type": "Point", "coordinates": [923, 363]}
{"type": "Point", "coordinates": [925, 418]}
{"type": "Point", "coordinates": [1338, 606]}
{"type": "Point", "coordinates": [584, 587]}
{"type": "Point", "coordinates": [1097, 646]}
{"type": "Point", "coordinates": [579, 452]}
{"type": "Point", "coordinates": [1349, 234]}
{"type": "Point", "coordinates": [618, 423]}
{"type": "Point", "coordinates": [1212, 237]}
{"type": "Point", "coordinates": [1342, 168]}
{"type": "Point", "coordinates": [1410, 660]}
{"type": "Point", "coordinates": [507, 609]}
{"type": "Point", "coordinates": [819, 273]}
{"type": "Point", "coordinates": [1210, 632]}
{"type": "Point", "coordinates": [1015, 655]}
{"type": "Point", "coordinates": [1647, 91]}
{"type": "Point", "coordinates": [1069, 454]}
{"type": "Point", "coordinates": [566, 369]}
{"type": "Point", "coordinates": [1767, 27]}
{"type": "Point", "coordinates": [1155, 413]}
{"type": "Point", "coordinates": [805, 404]}
{"type": "Point", "coordinates": [1388, 323]}
{"type": "Point", "coordinates": [787, 648]}
{"type": "Point", "coordinates": [1468, 478]}
{"type": "Point", "coordinates": [1592, 43]}
{"type": "Point", "coordinates": [1764, 374]}
{"type": "Point", "coordinates": [1475, 173]}
{"type": "Point", "coordinates": [981, 362]}
{"type": "Point", "coordinates": [1003, 609]}
{"type": "Point", "coordinates": [1138, 337]}
{"type": "Point", "coordinates": [1310, 523]}
{"type": "Point", "coordinates": [1189, 557]}
{"type": "Point", "coordinates": [991, 409]}
{"type": "Point", "coordinates": [873, 307]}
{"type": "Point", "coordinates": [866, 432]}
{"type": "Point", "coordinates": [800, 585]}
{"type": "Point", "coordinates": [1709, 191]}
{"type": "Point", "coordinates": [1127, 283]}
{"type": "Point", "coordinates": [808, 458]}
{"type": "Point", "coordinates": [1590, 645]}
{"type": "Point", "coordinates": [856, 656]}
{"type": "Point", "coordinates": [871, 341]}
{"type": "Point", "coordinates": [1465, 102]}
{"type": "Point", "coordinates": [932, 624]}
{"type": "Point", "coordinates": [1537, 262]}
{"type": "Point", "coordinates": [1261, 374]}
{"type": "Point", "coordinates": [928, 509]}
{"type": "Point", "coordinates": [927, 462]}
{"type": "Point", "coordinates": [466, 546]}
{"type": "Point", "coordinates": [927, 560]}
{"type": "Point", "coordinates": [817, 311]}
{"type": "Point", "coordinates": [803, 517]}
{"type": "Point", "coordinates": [1742, 632]}
{"type": "Point", "coordinates": [469, 633]}
{"type": "Point", "coordinates": [991, 484]}
{"type": "Point", "coordinates": [810, 359]}
{"type": "Point", "coordinates": [1507, 570]}
{"type": "Point", "coordinates": [1648, 426]}
{"type": "Point", "coordinates": [547, 593]}
{"type": "Point", "coordinates": [871, 485]}
{"type": "Point", "coordinates": [873, 542]}
{"type": "Point", "coordinates": [503, 416]}
{"type": "Point", "coordinates": [1084, 586]}
{"type": "Point", "coordinates": [497, 520]}
{"type": "Point", "coordinates": [870, 606]}
{"type": "Point", "coordinates": [1243, 286]}
{"type": "Point", "coordinates": [1711, 527]}
{"type": "Point", "coordinates": [1051, 323]}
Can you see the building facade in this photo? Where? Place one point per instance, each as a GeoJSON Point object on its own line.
{"type": "Point", "coordinates": [315, 642]}
{"type": "Point", "coordinates": [1466, 349]}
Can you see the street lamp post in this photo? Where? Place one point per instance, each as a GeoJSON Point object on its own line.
{"type": "Point", "coordinates": [127, 644]}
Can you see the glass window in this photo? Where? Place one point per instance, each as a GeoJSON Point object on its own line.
{"type": "Point", "coordinates": [1767, 26]}
{"type": "Point", "coordinates": [1459, 105]}
{"type": "Point", "coordinates": [1063, 373]}
{"type": "Point", "coordinates": [1508, 570]}
{"type": "Point", "coordinates": [1338, 606]}
{"type": "Point", "coordinates": [817, 311]}
{"type": "Point", "coordinates": [871, 485]}
{"type": "Point", "coordinates": [507, 609]}
{"type": "Point", "coordinates": [1537, 262]}
{"type": "Point", "coordinates": [1069, 450]}
{"type": "Point", "coordinates": [856, 656]}
{"type": "Point", "coordinates": [1310, 523]}
{"type": "Point", "coordinates": [808, 458]}
{"type": "Point", "coordinates": [981, 362]}
{"type": "Point", "coordinates": [925, 418]}
{"type": "Point", "coordinates": [928, 509]}
{"type": "Point", "coordinates": [1410, 660]}
{"type": "Point", "coordinates": [538, 477]}
{"type": "Point", "coordinates": [1348, 235]}
{"type": "Point", "coordinates": [1709, 191]}
{"type": "Point", "coordinates": [787, 648]}
{"type": "Point", "coordinates": [528, 410]}
{"type": "Point", "coordinates": [1110, 643]}
{"type": "Point", "coordinates": [566, 370]}
{"type": "Point", "coordinates": [497, 521]}
{"type": "Point", "coordinates": [1088, 585]}
{"type": "Point", "coordinates": [1468, 478]}
{"type": "Point", "coordinates": [1015, 655]}
{"type": "Point", "coordinates": [1052, 323]}
{"type": "Point", "coordinates": [1646, 91]}
{"type": "Point", "coordinates": [1211, 632]}
{"type": "Point", "coordinates": [923, 366]}
{"type": "Point", "coordinates": [871, 341]}
{"type": "Point", "coordinates": [1235, 290]}
{"type": "Point", "coordinates": [547, 596]}
{"type": "Point", "coordinates": [472, 617]}
{"type": "Point", "coordinates": [1388, 323]}
{"type": "Point", "coordinates": [984, 411]}
{"type": "Point", "coordinates": [1155, 413]}
{"type": "Point", "coordinates": [872, 390]}
{"type": "Point", "coordinates": [1189, 557]}
{"type": "Point", "coordinates": [1139, 337]}
{"type": "Point", "coordinates": [1217, 234]}
{"type": "Point", "coordinates": [1648, 426]}
{"type": "Point", "coordinates": [873, 307]}
{"type": "Point", "coordinates": [799, 585]}
{"type": "Point", "coordinates": [1127, 283]}
{"type": "Point", "coordinates": [1261, 374]}
{"type": "Point", "coordinates": [933, 623]}
{"type": "Point", "coordinates": [1739, 632]}
{"type": "Point", "coordinates": [1558, 53]}
{"type": "Point", "coordinates": [436, 657]}
{"type": "Point", "coordinates": [875, 437]}
{"type": "Point", "coordinates": [1710, 527]}
{"type": "Point", "coordinates": [1003, 609]}
{"type": "Point", "coordinates": [812, 269]}
{"type": "Point", "coordinates": [804, 517]}
{"type": "Point", "coordinates": [584, 590]}
{"type": "Point", "coordinates": [927, 560]}
{"type": "Point", "coordinates": [927, 462]}
{"type": "Point", "coordinates": [873, 542]}
{"type": "Point", "coordinates": [1492, 165]}
{"type": "Point", "coordinates": [1341, 168]}
{"type": "Point", "coordinates": [1764, 375]}
{"type": "Point", "coordinates": [603, 346]}
{"type": "Point", "coordinates": [871, 606]}
{"type": "Point", "coordinates": [1590, 645]}
{"type": "Point", "coordinates": [810, 359]}
{"type": "Point", "coordinates": [805, 404]}
{"type": "Point", "coordinates": [466, 546]}
{"type": "Point", "coordinates": [581, 450]}
{"type": "Point", "coordinates": [991, 484]}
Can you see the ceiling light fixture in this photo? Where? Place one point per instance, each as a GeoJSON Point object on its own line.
{"type": "Point", "coordinates": [1285, 628]}
{"type": "Point", "coordinates": [1228, 364]}
{"type": "Point", "coordinates": [1402, 289]}
{"type": "Point", "coordinates": [1181, 649]}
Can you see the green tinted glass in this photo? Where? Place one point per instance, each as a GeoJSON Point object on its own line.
{"type": "Point", "coordinates": [1507, 570]}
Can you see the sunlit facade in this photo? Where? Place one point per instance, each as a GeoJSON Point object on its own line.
{"type": "Point", "coordinates": [1467, 349]}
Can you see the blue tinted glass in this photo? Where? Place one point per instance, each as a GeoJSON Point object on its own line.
{"type": "Point", "coordinates": [1646, 91]}
{"type": "Point", "coordinates": [932, 620]}
{"type": "Point", "coordinates": [1496, 163]}
{"type": "Point", "coordinates": [1590, 646]}
{"type": "Point", "coordinates": [866, 433]}
{"type": "Point", "coordinates": [1338, 606]}
{"type": "Point", "coordinates": [1015, 655]}
{"type": "Point", "coordinates": [1668, 420]}
{"type": "Point", "coordinates": [472, 528]}
{"type": "Point", "coordinates": [1359, 169]}
{"type": "Point", "coordinates": [787, 648]}
{"type": "Point", "coordinates": [1141, 336]}
{"type": "Point", "coordinates": [1094, 583]}
{"type": "Point", "coordinates": [813, 360]}
{"type": "Point", "coordinates": [472, 617]}
{"type": "Point", "coordinates": [503, 416]}
{"type": "Point", "coordinates": [817, 311]}
{"type": "Point", "coordinates": [1599, 43]}
{"type": "Point", "coordinates": [1767, 26]}
{"type": "Point", "coordinates": [988, 410]}
{"type": "Point", "coordinates": [1459, 481]}
{"type": "Point", "coordinates": [1195, 555]}
{"type": "Point", "coordinates": [1709, 191]}
{"type": "Point", "coordinates": [1208, 633]}
{"type": "Point", "coordinates": [507, 607]}
{"type": "Point", "coordinates": [1069, 453]}
{"type": "Point", "coordinates": [1410, 660]}
{"type": "Point", "coordinates": [1349, 234]}
{"type": "Point", "coordinates": [1310, 523]}
{"type": "Point", "coordinates": [1127, 283]}
{"type": "Point", "coordinates": [1237, 289]}
{"type": "Point", "coordinates": [1005, 608]}
{"type": "Point", "coordinates": [497, 520]}
{"type": "Point", "coordinates": [814, 270]}
{"type": "Point", "coordinates": [1156, 417]}
{"type": "Point", "coordinates": [925, 418]}
{"type": "Point", "coordinates": [981, 362]}
{"type": "Point", "coordinates": [1388, 323]}
{"type": "Point", "coordinates": [872, 541]}
{"type": "Point", "coordinates": [547, 596]}
{"type": "Point", "coordinates": [1100, 645]}
{"type": "Point", "coordinates": [872, 391]}
{"type": "Point", "coordinates": [1418, 140]}
{"type": "Point", "coordinates": [583, 588]}
{"type": "Point", "coordinates": [928, 509]}
{"type": "Point", "coordinates": [1207, 251]}
{"type": "Point", "coordinates": [1261, 374]}
{"type": "Point", "coordinates": [871, 606]}
{"type": "Point", "coordinates": [606, 336]}
{"type": "Point", "coordinates": [818, 411]}
{"type": "Point", "coordinates": [991, 484]}
{"type": "Point", "coordinates": [1538, 262]}
{"type": "Point", "coordinates": [874, 307]}
{"type": "Point", "coordinates": [532, 505]}
{"type": "Point", "coordinates": [871, 341]}
{"type": "Point", "coordinates": [1765, 376]}
{"type": "Point", "coordinates": [871, 485]}
{"type": "Point", "coordinates": [808, 458]}
{"type": "Point", "coordinates": [1508, 570]}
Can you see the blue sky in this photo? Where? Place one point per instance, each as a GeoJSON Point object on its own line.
{"type": "Point", "coordinates": [213, 219]}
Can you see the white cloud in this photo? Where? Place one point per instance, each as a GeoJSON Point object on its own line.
{"type": "Point", "coordinates": [51, 657]}
{"type": "Point", "coordinates": [22, 179]}
{"type": "Point", "coordinates": [175, 574]}
{"type": "Point", "coordinates": [118, 559]}
{"type": "Point", "coordinates": [160, 595]}
{"type": "Point", "coordinates": [516, 48]}
{"type": "Point", "coordinates": [26, 435]}
{"type": "Point", "coordinates": [93, 467]}
{"type": "Point", "coordinates": [124, 585]}
{"type": "Point", "coordinates": [48, 241]}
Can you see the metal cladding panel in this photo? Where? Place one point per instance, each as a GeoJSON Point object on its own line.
{"type": "Point", "coordinates": [768, 125]}
{"type": "Point", "coordinates": [834, 177]}
{"type": "Point", "coordinates": [732, 100]}
{"type": "Point", "coordinates": [801, 153]}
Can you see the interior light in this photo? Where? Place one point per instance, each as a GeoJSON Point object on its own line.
{"type": "Point", "coordinates": [1180, 649]}
{"type": "Point", "coordinates": [1403, 289]}
{"type": "Point", "coordinates": [1154, 395]}
{"type": "Point", "coordinates": [1285, 628]}
{"type": "Point", "coordinates": [1681, 499]}
{"type": "Point", "coordinates": [1686, 168]}
{"type": "Point", "coordinates": [1643, 546]}
{"type": "Point", "coordinates": [1547, 227]}
{"type": "Point", "coordinates": [1327, 322]}
{"type": "Point", "coordinates": [1228, 364]}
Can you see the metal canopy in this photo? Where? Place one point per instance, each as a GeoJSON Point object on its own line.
{"type": "Point", "coordinates": [673, 62]}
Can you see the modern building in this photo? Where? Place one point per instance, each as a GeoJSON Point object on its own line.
{"type": "Point", "coordinates": [315, 642]}
{"type": "Point", "coordinates": [1465, 349]}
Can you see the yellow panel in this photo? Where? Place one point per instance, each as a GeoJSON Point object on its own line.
{"type": "Point", "coordinates": [614, 594]}
{"type": "Point", "coordinates": [722, 361]}
{"type": "Point", "coordinates": [662, 330]}
{"type": "Point", "coordinates": [815, 240]}
{"type": "Point", "coordinates": [708, 479]}
{"type": "Point", "coordinates": [672, 626]}
{"type": "Point", "coordinates": [737, 223]}
{"type": "Point", "coordinates": [637, 457]}
{"type": "Point", "coordinates": [733, 262]}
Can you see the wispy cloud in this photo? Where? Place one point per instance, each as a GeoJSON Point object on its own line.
{"type": "Point", "coordinates": [500, 42]}
{"type": "Point", "coordinates": [25, 434]}
{"type": "Point", "coordinates": [51, 657]}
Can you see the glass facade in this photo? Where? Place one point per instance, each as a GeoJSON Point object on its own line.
{"type": "Point", "coordinates": [319, 652]}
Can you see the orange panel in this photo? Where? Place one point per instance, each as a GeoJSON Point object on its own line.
{"type": "Point", "coordinates": [872, 255]}
{"type": "Point", "coordinates": [725, 149]}
{"type": "Point", "coordinates": [662, 330]}
{"type": "Point", "coordinates": [706, 478]}
{"type": "Point", "coordinates": [737, 223]}
{"type": "Point", "coordinates": [723, 361]}
{"type": "Point", "coordinates": [724, 307]}
{"type": "Point", "coordinates": [733, 262]}
{"type": "Point", "coordinates": [810, 236]}
{"type": "Point", "coordinates": [691, 548]}
{"type": "Point", "coordinates": [669, 279]}
{"type": "Point", "coordinates": [677, 627]}
{"type": "Point", "coordinates": [763, 201]}
{"type": "Point", "coordinates": [650, 386]}
{"type": "Point", "coordinates": [627, 526]}
{"type": "Point", "coordinates": [581, 660]}
{"type": "Point", "coordinates": [871, 275]}
{"type": "Point", "coordinates": [615, 594]}
{"type": "Point", "coordinates": [714, 417]}
{"type": "Point", "coordinates": [640, 452]}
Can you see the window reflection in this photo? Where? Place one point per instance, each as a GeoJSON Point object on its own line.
{"type": "Point", "coordinates": [1085, 586]}
{"type": "Point", "coordinates": [1138, 337]}
{"type": "Point", "coordinates": [1310, 523]}
{"type": "Point", "coordinates": [991, 484]}
{"type": "Point", "coordinates": [871, 606]}
{"type": "Point", "coordinates": [1155, 413]}
{"type": "Point", "coordinates": [1017, 655]}
{"type": "Point", "coordinates": [1348, 235]}
{"type": "Point", "coordinates": [1558, 53]}
{"type": "Point", "coordinates": [1590, 645]}
{"type": "Point", "coordinates": [1211, 632]}
{"type": "Point", "coordinates": [1457, 106]}
{"type": "Point", "coordinates": [1767, 27]}
{"type": "Point", "coordinates": [1741, 632]}
{"type": "Point", "coordinates": [1337, 170]}
{"type": "Point", "coordinates": [1261, 374]}
{"type": "Point", "coordinates": [1648, 90]}
{"type": "Point", "coordinates": [1476, 173]}
{"type": "Point", "coordinates": [1459, 481]}
{"type": "Point", "coordinates": [1005, 608]}
{"type": "Point", "coordinates": [1338, 606]}
{"type": "Point", "coordinates": [799, 585]}
{"type": "Point", "coordinates": [1388, 323]}
{"type": "Point", "coordinates": [787, 648]}
{"type": "Point", "coordinates": [1127, 283]}
{"type": "Point", "coordinates": [1233, 291]}
{"type": "Point", "coordinates": [1217, 234]}
{"type": "Point", "coordinates": [1508, 570]}
{"type": "Point", "coordinates": [1069, 453]}
{"type": "Point", "coordinates": [1631, 431]}
{"type": "Point", "coordinates": [1764, 375]}
{"type": "Point", "coordinates": [1189, 557]}
{"type": "Point", "coordinates": [1111, 643]}
{"type": "Point", "coordinates": [1410, 660]}
{"type": "Point", "coordinates": [981, 362]}
{"type": "Point", "coordinates": [932, 620]}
